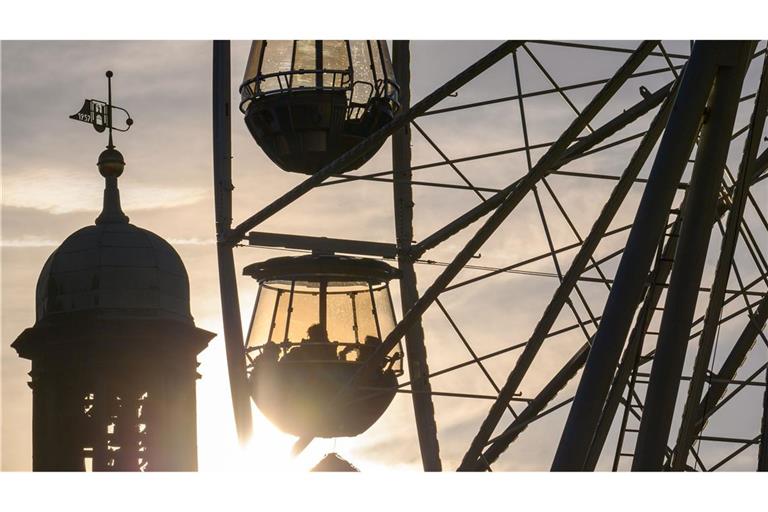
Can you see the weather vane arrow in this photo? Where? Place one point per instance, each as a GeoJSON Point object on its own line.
{"type": "Point", "coordinates": [100, 114]}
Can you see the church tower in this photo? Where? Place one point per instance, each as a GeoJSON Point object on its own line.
{"type": "Point", "coordinates": [114, 347]}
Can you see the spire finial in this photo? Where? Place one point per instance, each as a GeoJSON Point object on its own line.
{"type": "Point", "coordinates": [109, 107]}
{"type": "Point", "coordinates": [111, 163]}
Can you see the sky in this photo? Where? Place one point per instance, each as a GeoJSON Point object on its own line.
{"type": "Point", "coordinates": [51, 187]}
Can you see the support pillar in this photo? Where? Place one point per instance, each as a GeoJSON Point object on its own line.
{"type": "Point", "coordinates": [230, 304]}
{"type": "Point", "coordinates": [739, 192]}
{"type": "Point", "coordinates": [695, 231]}
{"type": "Point", "coordinates": [423, 407]}
{"type": "Point", "coordinates": [626, 292]}
{"type": "Point", "coordinates": [629, 359]}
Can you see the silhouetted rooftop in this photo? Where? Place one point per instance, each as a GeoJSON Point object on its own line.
{"type": "Point", "coordinates": [333, 462]}
{"type": "Point", "coordinates": [113, 268]}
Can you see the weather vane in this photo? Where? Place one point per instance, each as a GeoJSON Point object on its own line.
{"type": "Point", "coordinates": [99, 114]}
{"type": "Point", "coordinates": [111, 162]}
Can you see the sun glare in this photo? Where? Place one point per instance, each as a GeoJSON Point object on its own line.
{"type": "Point", "coordinates": [269, 449]}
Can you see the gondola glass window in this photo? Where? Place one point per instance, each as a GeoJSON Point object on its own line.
{"type": "Point", "coordinates": [286, 309]}
{"type": "Point", "coordinates": [316, 322]}
{"type": "Point", "coordinates": [307, 102]}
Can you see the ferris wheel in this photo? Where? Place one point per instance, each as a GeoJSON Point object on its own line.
{"type": "Point", "coordinates": [618, 260]}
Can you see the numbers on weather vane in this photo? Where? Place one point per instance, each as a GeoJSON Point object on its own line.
{"type": "Point", "coordinates": [100, 114]}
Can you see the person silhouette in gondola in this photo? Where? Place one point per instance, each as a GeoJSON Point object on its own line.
{"type": "Point", "coordinates": [369, 347]}
{"type": "Point", "coordinates": [317, 346]}
{"type": "Point", "coordinates": [270, 352]}
{"type": "Point", "coordinates": [316, 334]}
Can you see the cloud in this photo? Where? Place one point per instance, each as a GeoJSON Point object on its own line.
{"type": "Point", "coordinates": [65, 191]}
{"type": "Point", "coordinates": [32, 241]}
{"type": "Point", "coordinates": [29, 242]}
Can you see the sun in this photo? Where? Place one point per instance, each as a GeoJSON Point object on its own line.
{"type": "Point", "coordinates": [268, 450]}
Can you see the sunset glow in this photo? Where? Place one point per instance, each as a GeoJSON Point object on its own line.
{"type": "Point", "coordinates": [495, 236]}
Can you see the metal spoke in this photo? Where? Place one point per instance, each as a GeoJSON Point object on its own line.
{"type": "Point", "coordinates": [554, 83]}
{"type": "Point", "coordinates": [542, 217]}
{"type": "Point", "coordinates": [447, 160]}
{"type": "Point", "coordinates": [541, 92]}
{"type": "Point", "coordinates": [756, 440]}
{"type": "Point", "coordinates": [574, 155]}
{"type": "Point", "coordinates": [506, 350]}
{"type": "Point", "coordinates": [605, 48]}
{"type": "Point", "coordinates": [471, 352]}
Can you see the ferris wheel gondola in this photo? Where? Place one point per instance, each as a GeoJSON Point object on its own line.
{"type": "Point", "coordinates": [317, 321]}
{"type": "Point", "coordinates": [308, 102]}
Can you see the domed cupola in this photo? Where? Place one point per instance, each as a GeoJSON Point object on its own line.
{"type": "Point", "coordinates": [113, 268]}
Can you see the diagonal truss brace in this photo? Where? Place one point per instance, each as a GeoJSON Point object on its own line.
{"type": "Point", "coordinates": [629, 284]}
{"type": "Point", "coordinates": [567, 285]}
{"type": "Point", "coordinates": [575, 150]}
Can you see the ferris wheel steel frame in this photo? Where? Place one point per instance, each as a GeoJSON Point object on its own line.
{"type": "Point", "coordinates": [664, 252]}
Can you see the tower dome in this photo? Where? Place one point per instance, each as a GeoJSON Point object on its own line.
{"type": "Point", "coordinates": [114, 269]}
